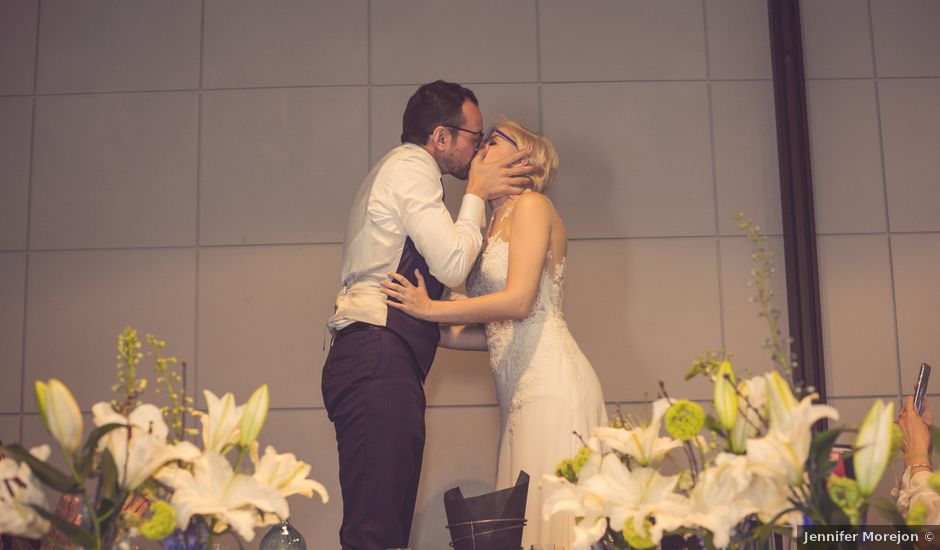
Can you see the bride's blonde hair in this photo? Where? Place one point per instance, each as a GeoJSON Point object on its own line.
{"type": "Point", "coordinates": [539, 149]}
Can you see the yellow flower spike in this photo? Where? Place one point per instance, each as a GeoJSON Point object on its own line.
{"type": "Point", "coordinates": [254, 415]}
{"type": "Point", "coordinates": [873, 446]}
{"type": "Point", "coordinates": [60, 414]}
{"type": "Point", "coordinates": [726, 396]}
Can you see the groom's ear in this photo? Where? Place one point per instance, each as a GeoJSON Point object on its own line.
{"type": "Point", "coordinates": [439, 137]}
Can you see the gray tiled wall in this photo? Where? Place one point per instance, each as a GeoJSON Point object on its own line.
{"type": "Point", "coordinates": [186, 167]}
{"type": "Point", "coordinates": [873, 96]}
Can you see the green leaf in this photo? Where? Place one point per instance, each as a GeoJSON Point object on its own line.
{"type": "Point", "coordinates": [47, 474]}
{"type": "Point", "coordinates": [87, 459]}
{"type": "Point", "coordinates": [108, 484]}
{"type": "Point", "coordinates": [81, 537]}
{"type": "Point", "coordinates": [822, 445]}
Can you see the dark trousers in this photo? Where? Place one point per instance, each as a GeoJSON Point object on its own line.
{"type": "Point", "coordinates": [374, 397]}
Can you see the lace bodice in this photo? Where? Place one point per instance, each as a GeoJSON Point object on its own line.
{"type": "Point", "coordinates": [489, 275]}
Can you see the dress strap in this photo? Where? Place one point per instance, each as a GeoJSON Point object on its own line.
{"type": "Point", "coordinates": [503, 215]}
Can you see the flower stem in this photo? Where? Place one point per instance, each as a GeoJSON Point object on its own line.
{"type": "Point", "coordinates": [241, 456]}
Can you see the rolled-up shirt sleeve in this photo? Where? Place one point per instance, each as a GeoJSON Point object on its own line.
{"type": "Point", "coordinates": [913, 489]}
{"type": "Point", "coordinates": [450, 247]}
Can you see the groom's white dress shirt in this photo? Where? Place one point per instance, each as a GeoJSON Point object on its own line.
{"type": "Point", "coordinates": [403, 197]}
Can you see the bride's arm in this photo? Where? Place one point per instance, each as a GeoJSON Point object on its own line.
{"type": "Point", "coordinates": [528, 243]}
{"type": "Point", "coordinates": [463, 337]}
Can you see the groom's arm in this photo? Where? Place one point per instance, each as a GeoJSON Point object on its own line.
{"type": "Point", "coordinates": [450, 247]}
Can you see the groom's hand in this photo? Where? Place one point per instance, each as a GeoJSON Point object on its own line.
{"type": "Point", "coordinates": [506, 176]}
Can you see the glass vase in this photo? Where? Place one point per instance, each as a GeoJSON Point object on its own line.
{"type": "Point", "coordinates": [283, 536]}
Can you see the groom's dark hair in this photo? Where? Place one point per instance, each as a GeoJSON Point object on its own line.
{"type": "Point", "coordinates": [436, 103]}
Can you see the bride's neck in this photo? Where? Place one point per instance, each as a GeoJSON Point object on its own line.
{"type": "Point", "coordinates": [496, 203]}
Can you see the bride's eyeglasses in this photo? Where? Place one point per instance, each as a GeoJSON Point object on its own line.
{"type": "Point", "coordinates": [494, 131]}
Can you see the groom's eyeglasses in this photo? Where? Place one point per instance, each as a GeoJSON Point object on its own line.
{"type": "Point", "coordinates": [477, 136]}
{"type": "Point", "coordinates": [494, 131]}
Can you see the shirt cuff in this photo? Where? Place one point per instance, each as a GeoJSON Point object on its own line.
{"type": "Point", "coordinates": [472, 209]}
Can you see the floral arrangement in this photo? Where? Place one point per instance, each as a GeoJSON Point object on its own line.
{"type": "Point", "coordinates": [755, 465]}
{"type": "Point", "coordinates": [148, 479]}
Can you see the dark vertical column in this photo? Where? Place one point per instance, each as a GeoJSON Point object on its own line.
{"type": "Point", "coordinates": [796, 193]}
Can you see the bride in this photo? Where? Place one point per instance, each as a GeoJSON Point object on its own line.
{"type": "Point", "coordinates": [545, 387]}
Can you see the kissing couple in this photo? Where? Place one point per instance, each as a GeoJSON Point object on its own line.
{"type": "Point", "coordinates": [402, 250]}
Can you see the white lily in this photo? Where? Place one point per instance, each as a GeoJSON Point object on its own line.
{"type": "Point", "coordinates": [140, 449]}
{"type": "Point", "coordinates": [726, 396]}
{"type": "Point", "coordinates": [19, 492]}
{"type": "Point", "coordinates": [254, 415]}
{"type": "Point", "coordinates": [214, 489]}
{"type": "Point", "coordinates": [643, 443]}
{"type": "Point", "coordinates": [286, 474]}
{"type": "Point", "coordinates": [637, 494]}
{"type": "Point", "coordinates": [585, 506]}
{"type": "Point", "coordinates": [783, 451]}
{"type": "Point", "coordinates": [873, 446]}
{"type": "Point", "coordinates": [575, 500]}
{"type": "Point", "coordinates": [771, 498]}
{"type": "Point", "coordinates": [220, 425]}
{"type": "Point", "coordinates": [60, 414]}
{"type": "Point", "coordinates": [716, 501]}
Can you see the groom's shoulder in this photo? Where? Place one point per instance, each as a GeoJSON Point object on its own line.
{"type": "Point", "coordinates": [407, 159]}
{"type": "Point", "coordinates": [407, 153]}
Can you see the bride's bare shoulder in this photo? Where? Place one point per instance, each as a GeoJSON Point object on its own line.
{"type": "Point", "coordinates": [535, 202]}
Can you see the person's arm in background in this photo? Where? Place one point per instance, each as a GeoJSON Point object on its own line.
{"type": "Point", "coordinates": [916, 445]}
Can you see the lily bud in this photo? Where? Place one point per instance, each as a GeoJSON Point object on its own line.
{"type": "Point", "coordinates": [60, 414]}
{"type": "Point", "coordinates": [780, 397]}
{"type": "Point", "coordinates": [254, 415]}
{"type": "Point", "coordinates": [873, 446]}
{"type": "Point", "coordinates": [726, 396]}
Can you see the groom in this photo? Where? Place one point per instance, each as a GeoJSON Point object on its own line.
{"type": "Point", "coordinates": [374, 374]}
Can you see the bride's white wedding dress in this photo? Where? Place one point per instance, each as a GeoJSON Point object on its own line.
{"type": "Point", "coordinates": [545, 387]}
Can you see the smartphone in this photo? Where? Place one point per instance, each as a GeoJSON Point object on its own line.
{"type": "Point", "coordinates": [920, 389]}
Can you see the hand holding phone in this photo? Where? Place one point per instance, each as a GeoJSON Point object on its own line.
{"type": "Point", "coordinates": [920, 389]}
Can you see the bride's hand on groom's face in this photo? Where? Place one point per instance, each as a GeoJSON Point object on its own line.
{"type": "Point", "coordinates": [403, 295]}
{"type": "Point", "coordinates": [509, 175]}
